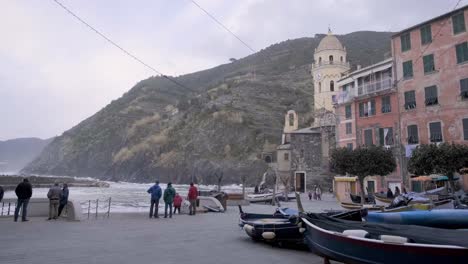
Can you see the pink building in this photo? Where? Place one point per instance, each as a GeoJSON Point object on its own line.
{"type": "Point", "coordinates": [431, 73]}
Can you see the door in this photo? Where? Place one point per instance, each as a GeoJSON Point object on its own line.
{"type": "Point", "coordinates": [370, 187]}
{"type": "Point", "coordinates": [300, 182]}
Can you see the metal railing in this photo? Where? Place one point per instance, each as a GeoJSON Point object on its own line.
{"type": "Point", "coordinates": [8, 211]}
{"type": "Point", "coordinates": [373, 87]}
{"type": "Point", "coordinates": [93, 208]}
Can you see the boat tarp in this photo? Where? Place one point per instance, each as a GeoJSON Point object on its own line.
{"type": "Point", "coordinates": [415, 234]}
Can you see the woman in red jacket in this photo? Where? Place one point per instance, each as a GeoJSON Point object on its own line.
{"type": "Point", "coordinates": [177, 203]}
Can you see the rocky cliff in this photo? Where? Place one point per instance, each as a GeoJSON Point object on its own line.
{"type": "Point", "coordinates": [231, 113]}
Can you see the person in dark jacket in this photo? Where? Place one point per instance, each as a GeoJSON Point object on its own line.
{"type": "Point", "coordinates": [397, 191]}
{"type": "Point", "coordinates": [169, 195]}
{"type": "Point", "coordinates": [155, 192]}
{"type": "Point", "coordinates": [54, 199]}
{"type": "Point", "coordinates": [389, 193]}
{"type": "Point", "coordinates": [23, 192]}
{"type": "Point", "coordinates": [63, 198]}
{"type": "Point", "coordinates": [1, 193]}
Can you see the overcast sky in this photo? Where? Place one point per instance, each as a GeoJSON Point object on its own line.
{"type": "Point", "coordinates": [55, 72]}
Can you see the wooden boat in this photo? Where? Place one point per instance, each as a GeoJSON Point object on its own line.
{"type": "Point", "coordinates": [443, 218]}
{"type": "Point", "coordinates": [262, 197]}
{"type": "Point", "coordinates": [281, 227]}
{"type": "Point", "coordinates": [356, 206]}
{"type": "Point", "coordinates": [358, 242]}
{"type": "Point", "coordinates": [382, 199]}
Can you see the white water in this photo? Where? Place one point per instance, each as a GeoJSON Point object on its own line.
{"type": "Point", "coordinates": [126, 197]}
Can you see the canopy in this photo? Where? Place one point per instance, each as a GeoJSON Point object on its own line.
{"type": "Point", "coordinates": [422, 178]}
{"type": "Point", "coordinates": [444, 178]}
{"type": "Point", "coordinates": [345, 179]}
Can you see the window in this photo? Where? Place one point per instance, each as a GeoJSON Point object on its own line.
{"type": "Point", "coordinates": [349, 128]}
{"type": "Point", "coordinates": [435, 131]}
{"type": "Point", "coordinates": [464, 88]}
{"type": "Point", "coordinates": [426, 34]}
{"type": "Point", "coordinates": [368, 137]}
{"type": "Point", "coordinates": [410, 100]}
{"type": "Point", "coordinates": [341, 58]}
{"type": "Point", "coordinates": [320, 87]}
{"type": "Point", "coordinates": [407, 69]}
{"type": "Point", "coordinates": [431, 95]}
{"type": "Point", "coordinates": [332, 86]}
{"type": "Point", "coordinates": [291, 119]}
{"type": "Point", "coordinates": [348, 111]}
{"type": "Point", "coordinates": [462, 52]}
{"type": "Point", "coordinates": [286, 156]}
{"type": "Point", "coordinates": [405, 42]}
{"type": "Point", "coordinates": [458, 23]}
{"type": "Point", "coordinates": [386, 105]}
{"type": "Point", "coordinates": [367, 108]}
{"type": "Point", "coordinates": [330, 58]}
{"type": "Point", "coordinates": [320, 60]}
{"type": "Point", "coordinates": [349, 146]}
{"type": "Point", "coordinates": [413, 137]}
{"type": "Point", "coordinates": [428, 62]}
{"type": "Point", "coordinates": [465, 129]}
{"type": "Point", "coordinates": [386, 136]}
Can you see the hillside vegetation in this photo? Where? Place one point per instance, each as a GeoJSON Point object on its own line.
{"type": "Point", "coordinates": [158, 130]}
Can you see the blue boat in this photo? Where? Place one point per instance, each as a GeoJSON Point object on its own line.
{"type": "Point", "coordinates": [443, 218]}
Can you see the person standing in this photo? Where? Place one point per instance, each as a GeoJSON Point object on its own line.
{"type": "Point", "coordinates": [155, 192]}
{"type": "Point", "coordinates": [63, 198]}
{"type": "Point", "coordinates": [192, 197]}
{"type": "Point", "coordinates": [310, 195]}
{"type": "Point", "coordinates": [177, 202]}
{"type": "Point", "coordinates": [1, 193]}
{"type": "Point", "coordinates": [389, 193]}
{"type": "Point", "coordinates": [397, 191]}
{"type": "Point", "coordinates": [169, 195]}
{"type": "Point", "coordinates": [54, 198]}
{"type": "Point", "coordinates": [318, 192]}
{"type": "Point", "coordinates": [23, 192]}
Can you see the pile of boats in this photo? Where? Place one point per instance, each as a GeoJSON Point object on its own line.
{"type": "Point", "coordinates": [411, 233]}
{"type": "Point", "coordinates": [268, 196]}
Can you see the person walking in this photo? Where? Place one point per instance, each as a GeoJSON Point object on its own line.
{"type": "Point", "coordinates": [310, 195]}
{"type": "Point", "coordinates": [63, 198]}
{"type": "Point", "coordinates": [155, 192]}
{"type": "Point", "coordinates": [318, 192]}
{"type": "Point", "coordinates": [23, 192]}
{"type": "Point", "coordinates": [192, 197]}
{"type": "Point", "coordinates": [54, 199]}
{"type": "Point", "coordinates": [177, 202]}
{"type": "Point", "coordinates": [169, 195]}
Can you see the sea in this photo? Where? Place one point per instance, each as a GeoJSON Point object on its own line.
{"type": "Point", "coordinates": [124, 196]}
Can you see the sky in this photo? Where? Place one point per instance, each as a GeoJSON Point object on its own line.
{"type": "Point", "coordinates": [56, 72]}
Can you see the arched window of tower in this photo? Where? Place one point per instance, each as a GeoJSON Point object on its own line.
{"type": "Point", "coordinates": [330, 58]}
{"type": "Point", "coordinates": [341, 58]}
{"type": "Point", "coordinates": [320, 60]}
{"type": "Point", "coordinates": [320, 87]}
{"type": "Point", "coordinates": [291, 119]}
{"type": "Point", "coordinates": [332, 86]}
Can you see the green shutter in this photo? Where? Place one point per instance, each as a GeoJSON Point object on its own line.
{"type": "Point", "coordinates": [405, 40]}
{"type": "Point", "coordinates": [426, 34]}
{"type": "Point", "coordinates": [465, 128]}
{"type": "Point", "coordinates": [381, 137]}
{"type": "Point", "coordinates": [458, 23]}
{"type": "Point", "coordinates": [348, 111]}
{"type": "Point", "coordinates": [462, 52]}
{"type": "Point", "coordinates": [407, 69]}
{"type": "Point", "coordinates": [428, 62]}
{"type": "Point", "coordinates": [361, 109]}
{"type": "Point", "coordinates": [464, 85]}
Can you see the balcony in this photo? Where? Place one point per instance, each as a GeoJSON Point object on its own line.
{"type": "Point", "coordinates": [343, 97]}
{"type": "Point", "coordinates": [373, 87]}
{"type": "Point", "coordinates": [316, 65]}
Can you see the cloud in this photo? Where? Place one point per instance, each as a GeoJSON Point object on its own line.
{"type": "Point", "coordinates": [55, 72]}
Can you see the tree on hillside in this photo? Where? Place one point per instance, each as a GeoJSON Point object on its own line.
{"type": "Point", "coordinates": [363, 162]}
{"type": "Point", "coordinates": [446, 159]}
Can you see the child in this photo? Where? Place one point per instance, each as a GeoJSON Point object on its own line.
{"type": "Point", "coordinates": [177, 203]}
{"type": "Point", "coordinates": [310, 195]}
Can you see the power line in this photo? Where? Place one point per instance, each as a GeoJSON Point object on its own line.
{"type": "Point", "coordinates": [119, 47]}
{"type": "Point", "coordinates": [223, 26]}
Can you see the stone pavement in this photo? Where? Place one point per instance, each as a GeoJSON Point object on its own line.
{"type": "Point", "coordinates": [134, 238]}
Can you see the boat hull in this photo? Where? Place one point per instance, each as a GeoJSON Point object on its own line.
{"type": "Point", "coordinates": [443, 218]}
{"type": "Point", "coordinates": [347, 249]}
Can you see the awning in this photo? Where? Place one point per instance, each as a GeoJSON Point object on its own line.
{"type": "Point", "coordinates": [444, 178]}
{"type": "Point", "coordinates": [422, 178]}
{"type": "Point", "coordinates": [345, 179]}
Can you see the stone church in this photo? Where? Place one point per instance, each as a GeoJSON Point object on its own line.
{"type": "Point", "coordinates": [303, 156]}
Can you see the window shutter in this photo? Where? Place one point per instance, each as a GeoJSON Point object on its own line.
{"type": "Point", "coordinates": [381, 137]}
{"type": "Point", "coordinates": [372, 106]}
{"type": "Point", "coordinates": [361, 109]}
{"type": "Point", "coordinates": [465, 128]}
